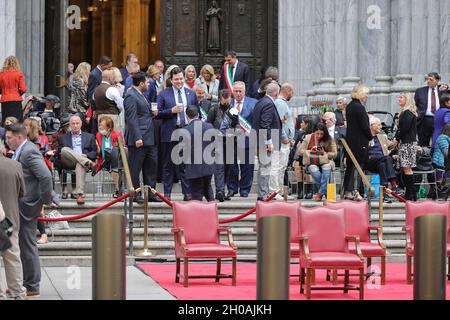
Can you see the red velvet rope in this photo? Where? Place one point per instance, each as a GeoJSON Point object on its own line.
{"type": "Point", "coordinates": [90, 213]}
{"type": "Point", "coordinates": [170, 204]}
{"type": "Point", "coordinates": [392, 193]}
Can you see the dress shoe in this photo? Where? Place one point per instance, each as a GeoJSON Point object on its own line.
{"type": "Point", "coordinates": [65, 196]}
{"type": "Point", "coordinates": [318, 197]}
{"type": "Point", "coordinates": [73, 196]}
{"type": "Point", "coordinates": [244, 195]}
{"type": "Point", "coordinates": [117, 194]}
{"type": "Point", "coordinates": [260, 199]}
{"type": "Point", "coordinates": [308, 196]}
{"type": "Point", "coordinates": [80, 200]}
{"type": "Point", "coordinates": [33, 294]}
{"type": "Point", "coordinates": [231, 194]}
{"type": "Point", "coordinates": [187, 198]}
{"type": "Point", "coordinates": [138, 199]}
{"type": "Point", "coordinates": [220, 196]}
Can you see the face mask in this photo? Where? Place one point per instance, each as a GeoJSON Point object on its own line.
{"type": "Point", "coordinates": [103, 132]}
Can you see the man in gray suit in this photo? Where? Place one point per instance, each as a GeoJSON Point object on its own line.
{"type": "Point", "coordinates": [38, 181]}
{"type": "Point", "coordinates": [12, 187]}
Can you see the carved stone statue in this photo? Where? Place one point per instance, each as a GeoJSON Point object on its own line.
{"type": "Point", "coordinates": [214, 17]}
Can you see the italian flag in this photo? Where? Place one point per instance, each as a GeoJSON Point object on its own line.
{"type": "Point", "coordinates": [228, 77]}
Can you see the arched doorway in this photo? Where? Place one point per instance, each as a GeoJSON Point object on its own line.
{"type": "Point", "coordinates": [115, 28]}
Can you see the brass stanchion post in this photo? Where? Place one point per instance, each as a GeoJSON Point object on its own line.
{"type": "Point", "coordinates": [286, 193]}
{"type": "Point", "coordinates": [108, 257]}
{"type": "Point", "coordinates": [273, 258]}
{"type": "Point", "coordinates": [146, 252]}
{"type": "Point", "coordinates": [430, 252]}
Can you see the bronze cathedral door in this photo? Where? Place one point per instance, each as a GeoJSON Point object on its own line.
{"type": "Point", "coordinates": [198, 32]}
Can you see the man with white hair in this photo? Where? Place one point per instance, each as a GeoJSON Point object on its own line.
{"type": "Point", "coordinates": [268, 126]}
{"type": "Point", "coordinates": [77, 151]}
{"type": "Point", "coordinates": [337, 133]}
{"type": "Point", "coordinates": [341, 104]}
{"type": "Point", "coordinates": [379, 160]}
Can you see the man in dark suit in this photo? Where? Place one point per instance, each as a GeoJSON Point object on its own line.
{"type": "Point", "coordinates": [268, 126]}
{"type": "Point", "coordinates": [242, 108]}
{"type": "Point", "coordinates": [199, 173]}
{"type": "Point", "coordinates": [132, 60]}
{"type": "Point", "coordinates": [239, 72]}
{"type": "Point", "coordinates": [428, 102]}
{"type": "Point", "coordinates": [95, 79]}
{"type": "Point", "coordinates": [140, 136]}
{"type": "Point", "coordinates": [172, 104]}
{"type": "Point", "coordinates": [77, 151]}
{"type": "Point", "coordinates": [38, 192]}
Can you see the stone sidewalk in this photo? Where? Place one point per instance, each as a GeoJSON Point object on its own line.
{"type": "Point", "coordinates": [76, 284]}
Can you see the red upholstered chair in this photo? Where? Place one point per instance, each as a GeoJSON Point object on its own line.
{"type": "Point", "coordinates": [324, 244]}
{"type": "Point", "coordinates": [197, 236]}
{"type": "Point", "coordinates": [413, 211]}
{"type": "Point", "coordinates": [357, 224]}
{"type": "Point", "coordinates": [280, 208]}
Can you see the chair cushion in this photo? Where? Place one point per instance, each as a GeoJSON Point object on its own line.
{"type": "Point", "coordinates": [209, 251]}
{"type": "Point", "coordinates": [368, 249]}
{"type": "Point", "coordinates": [411, 251]}
{"type": "Point", "coordinates": [333, 259]}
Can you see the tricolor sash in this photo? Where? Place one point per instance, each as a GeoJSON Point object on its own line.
{"type": "Point", "coordinates": [203, 114]}
{"type": "Point", "coordinates": [228, 75]}
{"type": "Point", "coordinates": [245, 125]}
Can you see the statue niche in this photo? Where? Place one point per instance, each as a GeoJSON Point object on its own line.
{"type": "Point", "coordinates": [214, 18]}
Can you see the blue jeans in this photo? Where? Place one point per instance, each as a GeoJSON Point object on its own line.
{"type": "Point", "coordinates": [321, 176]}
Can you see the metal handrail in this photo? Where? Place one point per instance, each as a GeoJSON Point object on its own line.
{"type": "Point", "coordinates": [132, 192]}
{"type": "Point", "coordinates": [358, 168]}
{"type": "Point", "coordinates": [126, 166]}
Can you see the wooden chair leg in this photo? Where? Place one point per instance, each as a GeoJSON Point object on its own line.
{"type": "Point", "coordinates": [177, 275]}
{"type": "Point", "coordinates": [218, 271]}
{"type": "Point", "coordinates": [346, 281]}
{"type": "Point", "coordinates": [302, 280]}
{"type": "Point", "coordinates": [309, 273]}
{"type": "Point", "coordinates": [361, 284]}
{"type": "Point", "coordinates": [234, 272]}
{"type": "Point", "coordinates": [383, 271]}
{"type": "Point", "coordinates": [186, 272]}
{"type": "Point", "coordinates": [408, 269]}
{"type": "Point", "coordinates": [335, 277]}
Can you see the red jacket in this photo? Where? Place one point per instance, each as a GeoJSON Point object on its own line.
{"type": "Point", "coordinates": [12, 86]}
{"type": "Point", "coordinates": [115, 143]}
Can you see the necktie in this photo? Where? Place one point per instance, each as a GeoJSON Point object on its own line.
{"type": "Point", "coordinates": [182, 114]}
{"type": "Point", "coordinates": [433, 101]}
{"type": "Point", "coordinates": [239, 107]}
{"type": "Point", "coordinates": [232, 72]}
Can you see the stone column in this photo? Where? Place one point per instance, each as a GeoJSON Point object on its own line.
{"type": "Point", "coordinates": [30, 42]}
{"type": "Point", "coordinates": [445, 39]}
{"type": "Point", "coordinates": [351, 77]}
{"type": "Point", "coordinates": [106, 25]}
{"type": "Point", "coordinates": [434, 36]}
{"type": "Point", "coordinates": [7, 29]}
{"type": "Point", "coordinates": [404, 45]}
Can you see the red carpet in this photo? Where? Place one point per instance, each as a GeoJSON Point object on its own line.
{"type": "Point", "coordinates": [207, 289]}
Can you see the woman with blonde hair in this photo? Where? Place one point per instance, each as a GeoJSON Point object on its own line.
{"type": "Point", "coordinates": [12, 87]}
{"type": "Point", "coordinates": [78, 84]}
{"type": "Point", "coordinates": [190, 74]}
{"type": "Point", "coordinates": [358, 128]}
{"type": "Point", "coordinates": [406, 140]}
{"type": "Point", "coordinates": [208, 81]}
{"type": "Point", "coordinates": [154, 89]}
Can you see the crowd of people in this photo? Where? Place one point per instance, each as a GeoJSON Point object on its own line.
{"type": "Point", "coordinates": [154, 112]}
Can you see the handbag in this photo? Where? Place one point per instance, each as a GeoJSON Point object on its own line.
{"type": "Point", "coordinates": [6, 230]}
{"type": "Point", "coordinates": [316, 159]}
